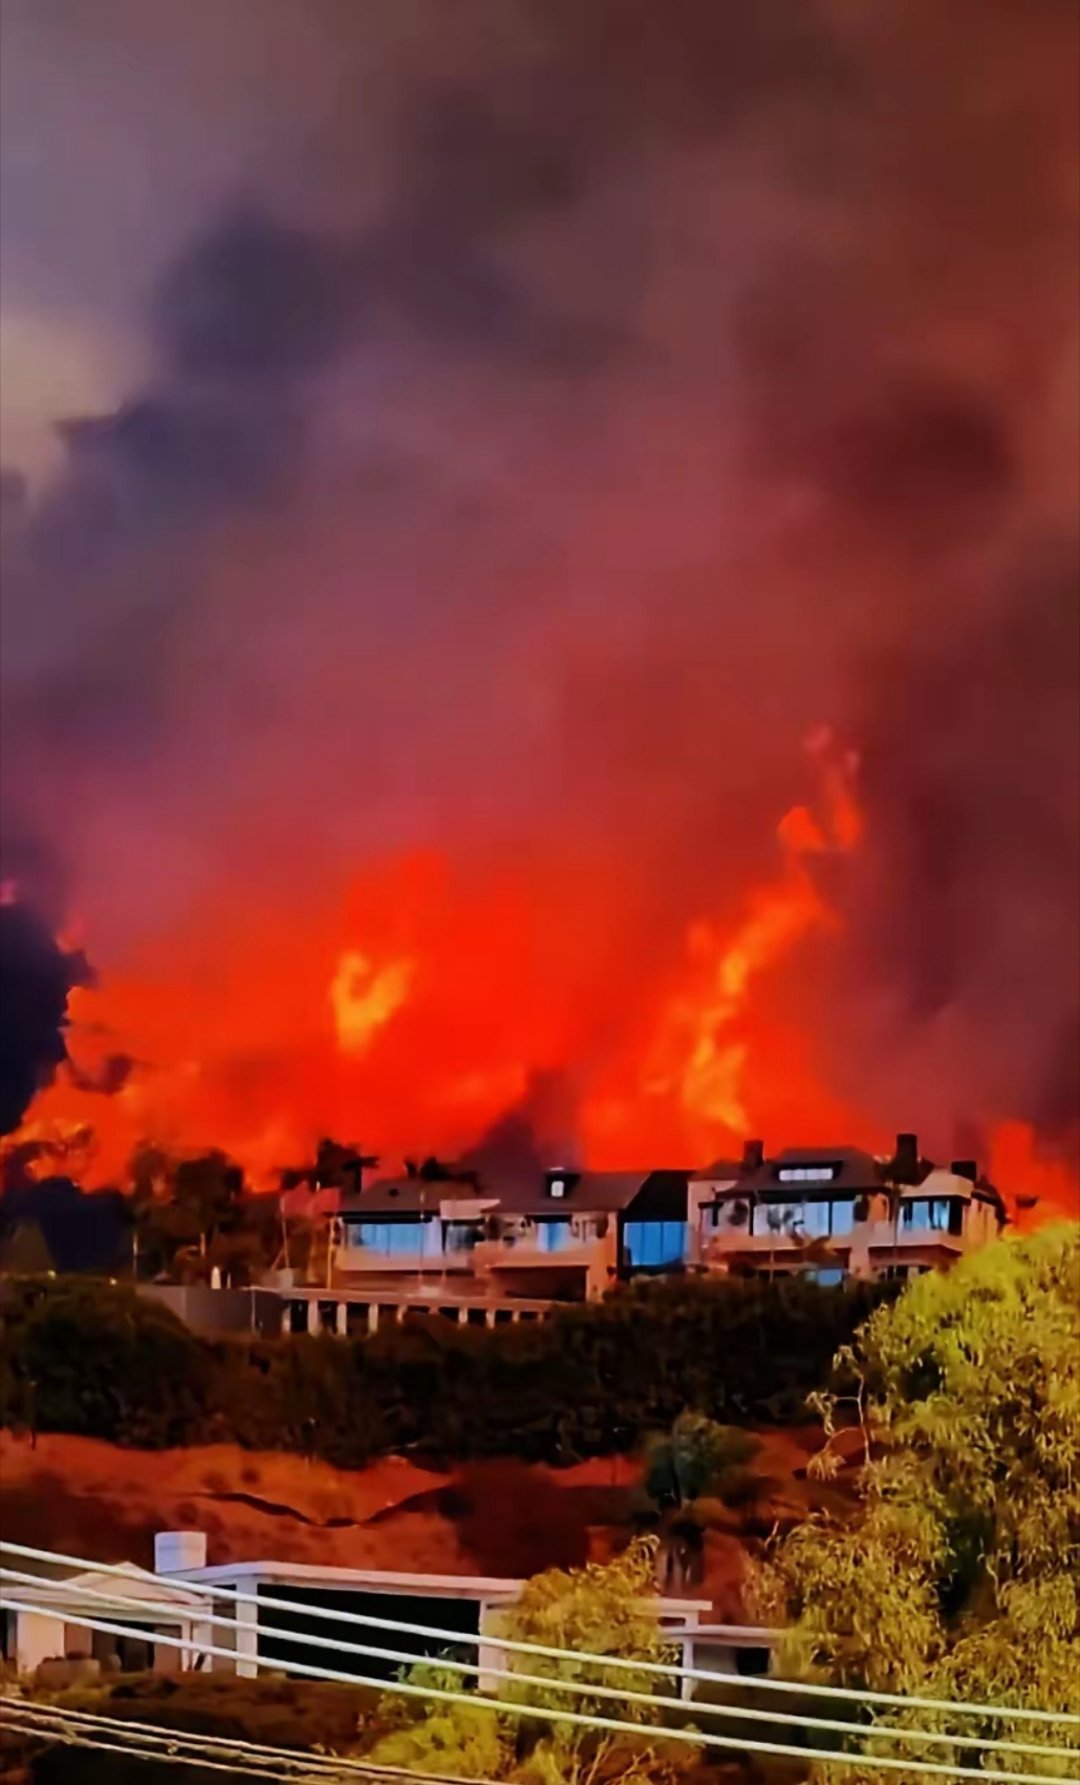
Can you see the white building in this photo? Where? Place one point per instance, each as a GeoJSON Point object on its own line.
{"type": "Point", "coordinates": [271, 1620]}
{"type": "Point", "coordinates": [53, 1627]}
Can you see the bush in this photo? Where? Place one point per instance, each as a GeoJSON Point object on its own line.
{"type": "Point", "coordinates": [98, 1360]}
{"type": "Point", "coordinates": [309, 1716]}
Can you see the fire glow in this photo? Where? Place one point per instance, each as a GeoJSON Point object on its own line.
{"type": "Point", "coordinates": [416, 1013]}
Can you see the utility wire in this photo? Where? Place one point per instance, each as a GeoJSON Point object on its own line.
{"type": "Point", "coordinates": [505, 1707]}
{"type": "Point", "coordinates": [1016, 1713]}
{"type": "Point", "coordinates": [656, 1702]}
{"type": "Point", "coordinates": [287, 1760]}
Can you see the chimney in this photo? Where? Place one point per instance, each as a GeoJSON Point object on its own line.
{"type": "Point", "coordinates": [965, 1168]}
{"type": "Point", "coordinates": [175, 1552]}
{"type": "Point", "coordinates": [753, 1155]}
{"type": "Point", "coordinates": [906, 1161]}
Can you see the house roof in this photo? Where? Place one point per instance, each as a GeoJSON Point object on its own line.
{"type": "Point", "coordinates": [726, 1170]}
{"type": "Point", "coordinates": [375, 1580]}
{"type": "Point", "coordinates": [100, 1595]}
{"type": "Point", "coordinates": [853, 1170]}
{"type": "Point", "coordinates": [663, 1194]}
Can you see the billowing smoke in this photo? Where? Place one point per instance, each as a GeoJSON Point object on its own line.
{"type": "Point", "coordinates": [36, 975]}
{"type": "Point", "coordinates": [545, 415]}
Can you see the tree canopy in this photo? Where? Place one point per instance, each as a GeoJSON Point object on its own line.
{"type": "Point", "coordinates": [603, 1609]}
{"type": "Point", "coordinates": [960, 1577]}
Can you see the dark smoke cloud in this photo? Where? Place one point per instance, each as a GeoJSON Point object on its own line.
{"type": "Point", "coordinates": [36, 976]}
{"type": "Point", "coordinates": [578, 403]}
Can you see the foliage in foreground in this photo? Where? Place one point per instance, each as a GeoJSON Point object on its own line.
{"type": "Point", "coordinates": [602, 1610]}
{"type": "Point", "coordinates": [310, 1716]}
{"type": "Point", "coordinates": [97, 1360]}
{"type": "Point", "coordinates": [961, 1578]}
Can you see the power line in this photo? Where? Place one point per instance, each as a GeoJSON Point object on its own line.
{"type": "Point", "coordinates": [697, 1739]}
{"type": "Point", "coordinates": [656, 1702]}
{"type": "Point", "coordinates": [1016, 1713]}
{"type": "Point", "coordinates": [288, 1761]}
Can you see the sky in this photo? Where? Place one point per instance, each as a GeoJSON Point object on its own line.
{"type": "Point", "coordinates": [470, 476]}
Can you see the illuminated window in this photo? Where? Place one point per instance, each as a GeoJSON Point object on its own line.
{"type": "Point", "coordinates": [651, 1244]}
{"type": "Point", "coordinates": [557, 1187]}
{"type": "Point", "coordinates": [399, 1238]}
{"type": "Point", "coordinates": [806, 1174]}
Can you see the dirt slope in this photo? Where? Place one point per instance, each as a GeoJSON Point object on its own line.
{"type": "Point", "coordinates": [496, 1516]}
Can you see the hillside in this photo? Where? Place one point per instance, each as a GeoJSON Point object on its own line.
{"type": "Point", "coordinates": [495, 1516]}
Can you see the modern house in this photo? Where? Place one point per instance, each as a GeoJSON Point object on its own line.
{"type": "Point", "coordinates": [558, 1235]}
{"type": "Point", "coordinates": [271, 1608]}
{"type": "Point", "coordinates": [837, 1212]}
{"type": "Point", "coordinates": [498, 1245]}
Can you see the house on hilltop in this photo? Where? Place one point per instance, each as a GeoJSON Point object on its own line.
{"type": "Point", "coordinates": [835, 1212]}
{"type": "Point", "coordinates": [562, 1234]}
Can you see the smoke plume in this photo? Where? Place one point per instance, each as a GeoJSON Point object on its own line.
{"type": "Point", "coordinates": [37, 976]}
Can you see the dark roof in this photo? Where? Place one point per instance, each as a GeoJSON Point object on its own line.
{"type": "Point", "coordinates": [660, 1194]}
{"type": "Point", "coordinates": [720, 1168]}
{"type": "Point", "coordinates": [409, 1195]}
{"type": "Point", "coordinates": [853, 1169]}
{"type": "Point", "coordinates": [662, 1197]}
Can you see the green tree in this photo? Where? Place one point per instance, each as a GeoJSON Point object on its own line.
{"type": "Point", "coordinates": [960, 1578]}
{"type": "Point", "coordinates": [602, 1609]}
{"type": "Point", "coordinates": [692, 1475]}
{"type": "Point", "coordinates": [698, 1456]}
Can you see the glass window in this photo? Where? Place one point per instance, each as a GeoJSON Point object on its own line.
{"type": "Point", "coordinates": [828, 1278]}
{"type": "Point", "coordinates": [806, 1174]}
{"type": "Point", "coordinates": [553, 1236]}
{"type": "Point", "coordinates": [932, 1212]}
{"type": "Point", "coordinates": [655, 1243]}
{"type": "Point", "coordinates": [814, 1220]}
{"type": "Point", "coordinates": [399, 1238]}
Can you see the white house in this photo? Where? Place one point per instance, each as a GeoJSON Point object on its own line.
{"type": "Point", "coordinates": [53, 1627]}
{"type": "Point", "coordinates": [274, 1615]}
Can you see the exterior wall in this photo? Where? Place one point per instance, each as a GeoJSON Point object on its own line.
{"type": "Point", "coordinates": [37, 1639]}
{"type": "Point", "coordinates": [701, 1194]}
{"type": "Point", "coordinates": [214, 1311]}
{"type": "Point", "coordinates": [872, 1246]}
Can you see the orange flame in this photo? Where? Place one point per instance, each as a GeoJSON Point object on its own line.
{"type": "Point", "coordinates": [365, 997]}
{"type": "Point", "coordinates": [410, 1010]}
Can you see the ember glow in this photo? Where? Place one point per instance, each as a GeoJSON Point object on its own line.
{"type": "Point", "coordinates": [561, 595]}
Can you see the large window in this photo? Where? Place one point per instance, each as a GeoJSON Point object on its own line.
{"type": "Point", "coordinates": [939, 1214]}
{"type": "Point", "coordinates": [399, 1238]}
{"type": "Point", "coordinates": [817, 1220]}
{"type": "Point", "coordinates": [654, 1243]}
